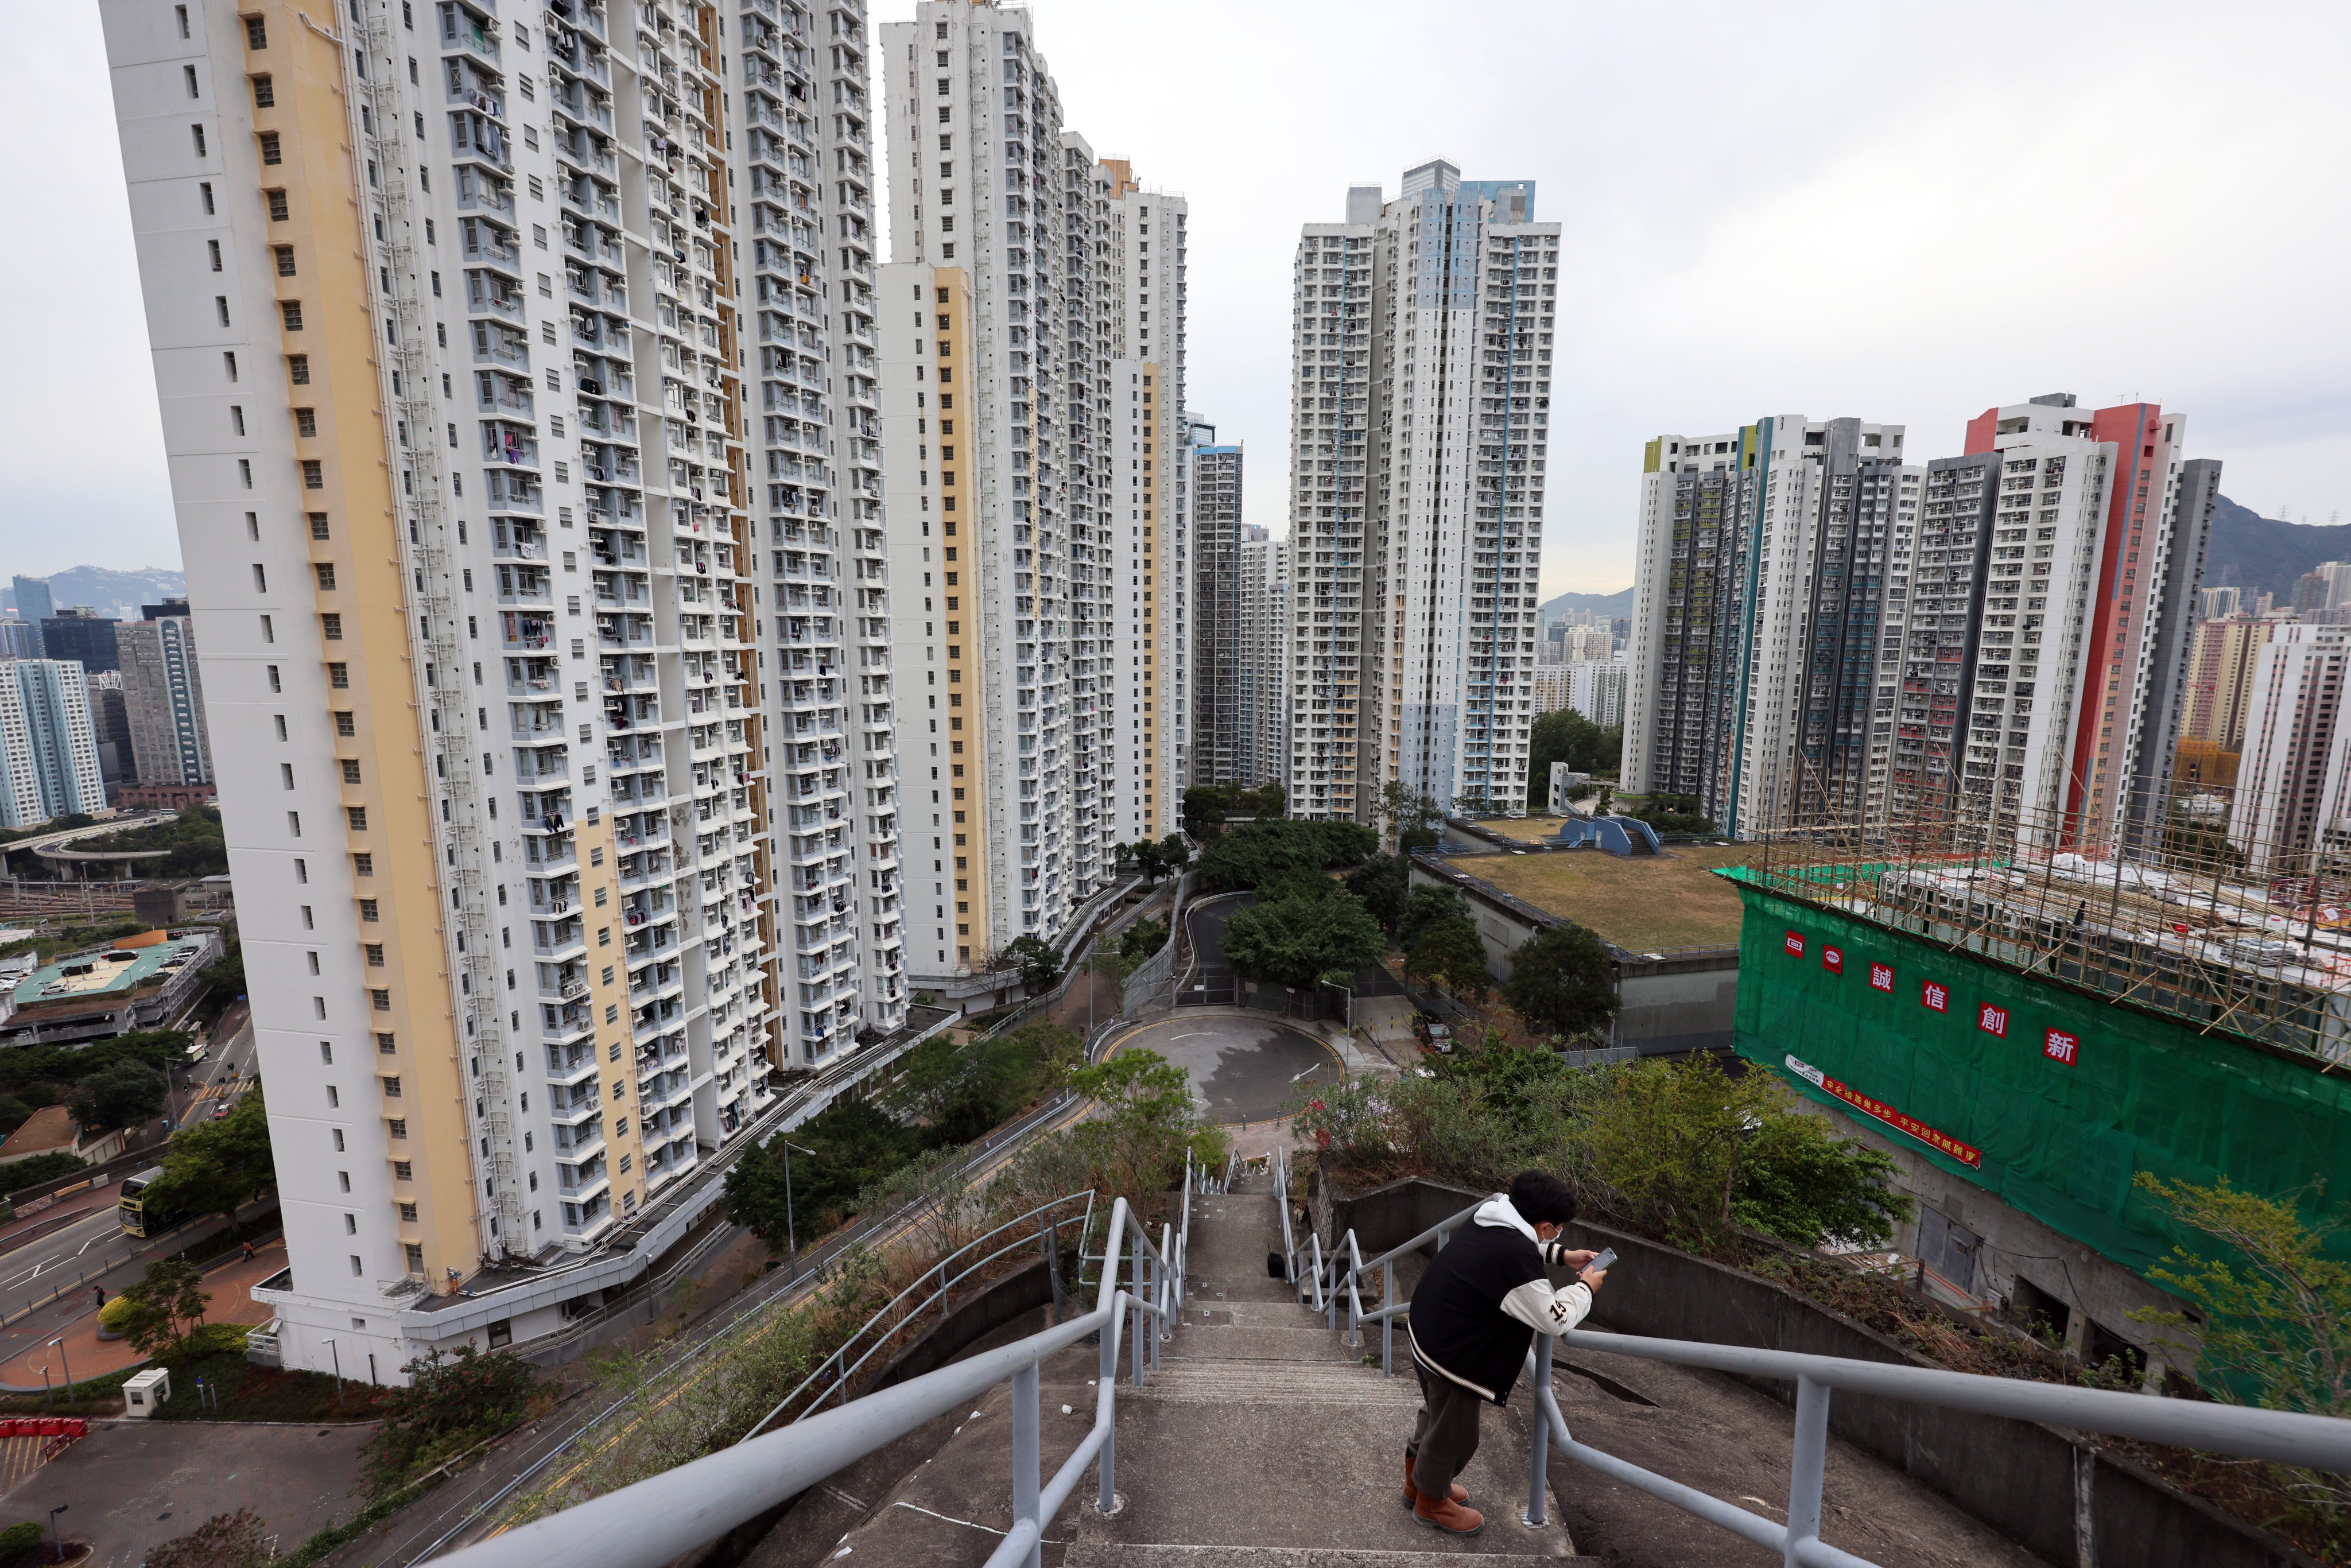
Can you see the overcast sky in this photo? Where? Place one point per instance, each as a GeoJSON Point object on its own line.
{"type": "Point", "coordinates": [1905, 214]}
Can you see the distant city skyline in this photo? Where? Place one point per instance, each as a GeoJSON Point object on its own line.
{"type": "Point", "coordinates": [1889, 195]}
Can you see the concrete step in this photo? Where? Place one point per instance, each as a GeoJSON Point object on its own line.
{"type": "Point", "coordinates": [1236, 1344]}
{"type": "Point", "coordinates": [1186, 1382]}
{"type": "Point", "coordinates": [1108, 1555]}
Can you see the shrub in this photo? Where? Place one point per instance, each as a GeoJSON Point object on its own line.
{"type": "Point", "coordinates": [451, 1403]}
{"type": "Point", "coordinates": [19, 1538]}
{"type": "Point", "coordinates": [115, 1316]}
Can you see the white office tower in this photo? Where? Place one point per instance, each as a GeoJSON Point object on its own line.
{"type": "Point", "coordinates": [48, 746]}
{"type": "Point", "coordinates": [1420, 406]}
{"type": "Point", "coordinates": [1033, 422]}
{"type": "Point", "coordinates": [802, 193]}
{"type": "Point", "coordinates": [451, 340]}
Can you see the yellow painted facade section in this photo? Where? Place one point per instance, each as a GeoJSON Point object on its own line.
{"type": "Point", "coordinates": [379, 678]}
{"type": "Point", "coordinates": [967, 698]}
{"type": "Point", "coordinates": [607, 969]}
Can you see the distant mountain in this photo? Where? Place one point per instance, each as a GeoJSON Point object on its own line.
{"type": "Point", "coordinates": [2253, 552]}
{"type": "Point", "coordinates": [116, 594]}
{"type": "Point", "coordinates": [1604, 604]}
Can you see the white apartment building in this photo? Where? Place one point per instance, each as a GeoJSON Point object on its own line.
{"type": "Point", "coordinates": [1768, 588]}
{"type": "Point", "coordinates": [1260, 686]}
{"type": "Point", "coordinates": [1031, 326]}
{"type": "Point", "coordinates": [2294, 780]}
{"type": "Point", "coordinates": [1420, 398]}
{"type": "Point", "coordinates": [548, 728]}
{"type": "Point", "coordinates": [802, 183]}
{"type": "Point", "coordinates": [49, 747]}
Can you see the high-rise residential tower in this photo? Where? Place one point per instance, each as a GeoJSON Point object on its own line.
{"type": "Point", "coordinates": [548, 692]}
{"type": "Point", "coordinates": [1263, 686]}
{"type": "Point", "coordinates": [803, 186]}
{"type": "Point", "coordinates": [1420, 402]}
{"type": "Point", "coordinates": [1768, 588]}
{"type": "Point", "coordinates": [1030, 324]}
{"type": "Point", "coordinates": [164, 701]}
{"type": "Point", "coordinates": [1220, 708]}
{"type": "Point", "coordinates": [49, 748]}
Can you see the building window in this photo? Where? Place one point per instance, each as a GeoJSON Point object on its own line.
{"type": "Point", "coordinates": [306, 423]}
{"type": "Point", "coordinates": [318, 519]}
{"type": "Point", "coordinates": [197, 132]}
{"type": "Point", "coordinates": [330, 626]}
{"type": "Point", "coordinates": [364, 864]}
{"type": "Point", "coordinates": [399, 1128]}
{"type": "Point", "coordinates": [297, 369]}
{"type": "Point", "coordinates": [501, 1332]}
{"type": "Point", "coordinates": [380, 1000]}
{"type": "Point", "coordinates": [408, 1213]}
{"type": "Point", "coordinates": [403, 1171]}
{"type": "Point", "coordinates": [265, 96]}
{"type": "Point", "coordinates": [314, 473]}
{"type": "Point", "coordinates": [375, 954]}
{"type": "Point", "coordinates": [326, 570]}
{"type": "Point", "coordinates": [343, 724]}
{"type": "Point", "coordinates": [384, 1043]}
{"type": "Point", "coordinates": [350, 769]}
{"type": "Point", "coordinates": [339, 676]}
{"type": "Point", "coordinates": [358, 818]}
{"type": "Point", "coordinates": [392, 1088]}
{"type": "Point", "coordinates": [257, 33]}
{"type": "Point", "coordinates": [416, 1258]}
{"type": "Point", "coordinates": [270, 152]}
{"type": "Point", "coordinates": [291, 309]}
{"type": "Point", "coordinates": [278, 211]}
{"type": "Point", "coordinates": [284, 256]}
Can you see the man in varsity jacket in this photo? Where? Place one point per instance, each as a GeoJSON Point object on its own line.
{"type": "Point", "coordinates": [1474, 1315]}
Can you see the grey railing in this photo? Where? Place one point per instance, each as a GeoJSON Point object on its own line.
{"type": "Point", "coordinates": [2280, 1437]}
{"type": "Point", "coordinates": [651, 1523]}
{"type": "Point", "coordinates": [1040, 1228]}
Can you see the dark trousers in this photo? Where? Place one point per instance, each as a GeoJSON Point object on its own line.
{"type": "Point", "coordinates": [1444, 1436]}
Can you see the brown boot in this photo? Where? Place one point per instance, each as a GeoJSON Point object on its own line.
{"type": "Point", "coordinates": [1412, 1493]}
{"type": "Point", "coordinates": [1448, 1516]}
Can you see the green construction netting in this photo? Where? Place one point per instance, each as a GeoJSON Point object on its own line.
{"type": "Point", "coordinates": [1983, 1088]}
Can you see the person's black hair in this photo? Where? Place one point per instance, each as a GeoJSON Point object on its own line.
{"type": "Point", "coordinates": [1539, 1196]}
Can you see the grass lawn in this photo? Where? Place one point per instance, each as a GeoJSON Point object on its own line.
{"type": "Point", "coordinates": [1642, 904]}
{"type": "Point", "coordinates": [1526, 830]}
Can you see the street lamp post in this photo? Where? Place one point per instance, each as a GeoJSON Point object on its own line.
{"type": "Point", "coordinates": [335, 1351]}
{"type": "Point", "coordinates": [59, 1346]}
{"type": "Point", "coordinates": [791, 1226]}
{"type": "Point", "coordinates": [56, 1541]}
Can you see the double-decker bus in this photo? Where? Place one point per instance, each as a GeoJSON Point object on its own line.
{"type": "Point", "coordinates": [138, 1217]}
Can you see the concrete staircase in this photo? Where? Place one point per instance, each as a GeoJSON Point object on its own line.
{"type": "Point", "coordinates": [1263, 1441]}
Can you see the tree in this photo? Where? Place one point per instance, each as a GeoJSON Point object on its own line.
{"type": "Point", "coordinates": [213, 1168]}
{"type": "Point", "coordinates": [1205, 808]}
{"type": "Point", "coordinates": [1298, 942]}
{"type": "Point", "coordinates": [2274, 1297]}
{"type": "Point", "coordinates": [1268, 799]}
{"type": "Point", "coordinates": [1411, 816]}
{"type": "Point", "coordinates": [1175, 855]}
{"type": "Point", "coordinates": [1799, 1181]}
{"type": "Point", "coordinates": [852, 1145]}
{"type": "Point", "coordinates": [1423, 906]}
{"type": "Point", "coordinates": [1038, 961]}
{"type": "Point", "coordinates": [239, 1540]}
{"type": "Point", "coordinates": [1563, 979]}
{"type": "Point", "coordinates": [1250, 854]}
{"type": "Point", "coordinates": [1450, 953]}
{"type": "Point", "coordinates": [167, 1304]}
{"type": "Point", "coordinates": [1554, 737]}
{"type": "Point", "coordinates": [122, 1095]}
{"type": "Point", "coordinates": [1383, 884]}
{"type": "Point", "coordinates": [962, 1090]}
{"type": "Point", "coordinates": [451, 1403]}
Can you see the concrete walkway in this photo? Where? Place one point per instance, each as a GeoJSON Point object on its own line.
{"type": "Point", "coordinates": [230, 1287]}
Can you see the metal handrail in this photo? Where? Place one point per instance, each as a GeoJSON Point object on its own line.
{"type": "Point", "coordinates": [936, 1279]}
{"type": "Point", "coordinates": [648, 1524]}
{"type": "Point", "coordinates": [2287, 1437]}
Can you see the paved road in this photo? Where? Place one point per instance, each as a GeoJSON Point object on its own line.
{"type": "Point", "coordinates": [1243, 1068]}
{"type": "Point", "coordinates": [1214, 984]}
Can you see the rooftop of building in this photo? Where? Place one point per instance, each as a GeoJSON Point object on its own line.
{"type": "Point", "coordinates": [128, 965]}
{"type": "Point", "coordinates": [50, 1128]}
{"type": "Point", "coordinates": [1642, 904]}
